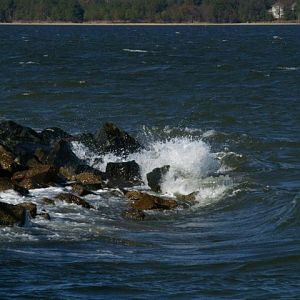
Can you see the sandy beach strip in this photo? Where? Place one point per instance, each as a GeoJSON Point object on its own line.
{"type": "Point", "coordinates": [148, 24]}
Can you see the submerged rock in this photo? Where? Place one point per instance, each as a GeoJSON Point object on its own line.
{"type": "Point", "coordinates": [112, 139]}
{"type": "Point", "coordinates": [122, 174]}
{"type": "Point", "coordinates": [70, 198]}
{"type": "Point", "coordinates": [155, 178]}
{"type": "Point", "coordinates": [133, 214]}
{"type": "Point", "coordinates": [48, 201]}
{"type": "Point", "coordinates": [190, 198]}
{"type": "Point", "coordinates": [143, 201]}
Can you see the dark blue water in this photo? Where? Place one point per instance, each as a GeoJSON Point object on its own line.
{"type": "Point", "coordinates": [196, 95]}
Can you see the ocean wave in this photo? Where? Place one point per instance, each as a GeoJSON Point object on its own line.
{"type": "Point", "coordinates": [135, 50]}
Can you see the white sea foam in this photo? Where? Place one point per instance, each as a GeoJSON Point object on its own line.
{"type": "Point", "coordinates": [190, 159]}
{"type": "Point", "coordinates": [135, 50]}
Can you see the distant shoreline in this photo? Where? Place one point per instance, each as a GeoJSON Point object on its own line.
{"type": "Point", "coordinates": [148, 24]}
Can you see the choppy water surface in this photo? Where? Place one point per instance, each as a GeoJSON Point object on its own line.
{"type": "Point", "coordinates": [219, 104]}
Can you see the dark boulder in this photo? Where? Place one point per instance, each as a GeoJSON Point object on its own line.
{"type": "Point", "coordinates": [133, 214]}
{"type": "Point", "coordinates": [123, 174]}
{"type": "Point", "coordinates": [53, 135]}
{"type": "Point", "coordinates": [61, 155]}
{"type": "Point", "coordinates": [70, 198]}
{"type": "Point", "coordinates": [112, 139]}
{"type": "Point", "coordinates": [20, 140]}
{"type": "Point", "coordinates": [155, 178]}
{"type": "Point", "coordinates": [12, 133]}
{"type": "Point", "coordinates": [12, 215]}
{"type": "Point", "coordinates": [6, 184]}
{"type": "Point", "coordinates": [143, 201]}
{"type": "Point", "coordinates": [40, 176]}
{"type": "Point", "coordinates": [16, 214]}
{"type": "Point", "coordinates": [4, 173]}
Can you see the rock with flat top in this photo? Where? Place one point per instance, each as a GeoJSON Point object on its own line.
{"type": "Point", "coordinates": [143, 201]}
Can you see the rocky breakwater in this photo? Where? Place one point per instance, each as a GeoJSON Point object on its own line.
{"type": "Point", "coordinates": [35, 160]}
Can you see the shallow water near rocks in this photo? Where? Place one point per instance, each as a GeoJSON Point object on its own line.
{"type": "Point", "coordinates": [220, 105]}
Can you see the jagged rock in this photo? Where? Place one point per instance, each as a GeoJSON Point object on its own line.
{"type": "Point", "coordinates": [61, 155]}
{"type": "Point", "coordinates": [155, 177]}
{"type": "Point", "coordinates": [40, 176]}
{"type": "Point", "coordinates": [53, 135]}
{"type": "Point", "coordinates": [20, 140]}
{"type": "Point", "coordinates": [112, 139]}
{"type": "Point", "coordinates": [123, 174]}
{"type": "Point", "coordinates": [15, 214]}
{"type": "Point", "coordinates": [143, 201]}
{"type": "Point", "coordinates": [12, 214]}
{"type": "Point", "coordinates": [70, 198]}
{"type": "Point", "coordinates": [80, 190]}
{"type": "Point", "coordinates": [12, 133]}
{"type": "Point", "coordinates": [48, 201]}
{"type": "Point", "coordinates": [5, 184]}
{"type": "Point", "coordinates": [133, 214]}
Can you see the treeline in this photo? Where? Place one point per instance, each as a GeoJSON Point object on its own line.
{"type": "Point", "coordinates": [145, 10]}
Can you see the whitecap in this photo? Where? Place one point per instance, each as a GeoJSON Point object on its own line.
{"type": "Point", "coordinates": [135, 50]}
{"type": "Point", "coordinates": [288, 68]}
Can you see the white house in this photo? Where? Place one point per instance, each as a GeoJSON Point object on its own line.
{"type": "Point", "coordinates": [279, 8]}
